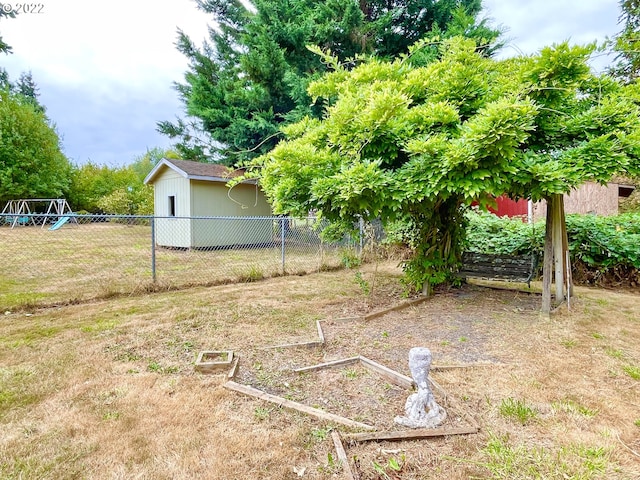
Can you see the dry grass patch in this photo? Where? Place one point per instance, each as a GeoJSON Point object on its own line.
{"type": "Point", "coordinates": [108, 389]}
{"type": "Point", "coordinates": [103, 260]}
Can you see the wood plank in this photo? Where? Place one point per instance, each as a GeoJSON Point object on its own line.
{"type": "Point", "coordinates": [493, 276]}
{"type": "Point", "coordinates": [342, 455]}
{"type": "Point", "coordinates": [411, 434]}
{"type": "Point", "coordinates": [401, 306]}
{"type": "Point", "coordinates": [473, 256]}
{"type": "Point", "coordinates": [455, 404]}
{"type": "Point", "coordinates": [547, 262]}
{"type": "Point", "coordinates": [347, 319]}
{"type": "Point", "coordinates": [320, 332]}
{"type": "Point", "coordinates": [283, 402]}
{"type": "Point", "coordinates": [294, 345]}
{"type": "Point", "coordinates": [497, 260]}
{"type": "Point", "coordinates": [497, 267]}
{"type": "Point", "coordinates": [504, 270]}
{"type": "Point", "coordinates": [436, 368]}
{"type": "Point", "coordinates": [495, 271]}
{"type": "Point", "coordinates": [391, 375]}
{"type": "Point", "coordinates": [233, 370]}
{"type": "Point", "coordinates": [334, 363]}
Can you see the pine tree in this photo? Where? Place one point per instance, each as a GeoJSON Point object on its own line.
{"type": "Point", "coordinates": [252, 76]}
{"type": "Point", "coordinates": [27, 87]}
{"type": "Point", "coordinates": [626, 44]}
{"type": "Point", "coordinates": [4, 48]}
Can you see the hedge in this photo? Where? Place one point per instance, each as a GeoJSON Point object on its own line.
{"type": "Point", "coordinates": [604, 250]}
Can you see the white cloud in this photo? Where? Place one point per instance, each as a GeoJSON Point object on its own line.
{"type": "Point", "coordinates": [535, 24]}
{"type": "Point", "coordinates": [105, 69]}
{"type": "Point", "coordinates": [85, 45]}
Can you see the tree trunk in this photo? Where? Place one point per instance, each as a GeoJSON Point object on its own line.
{"type": "Point", "coordinates": [547, 266]}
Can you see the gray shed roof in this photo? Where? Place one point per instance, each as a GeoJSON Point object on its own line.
{"type": "Point", "coordinates": [211, 172]}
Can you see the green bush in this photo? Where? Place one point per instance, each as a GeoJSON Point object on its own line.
{"type": "Point", "coordinates": [603, 249]}
{"type": "Point", "coordinates": [605, 242]}
{"type": "Point", "coordinates": [488, 233]}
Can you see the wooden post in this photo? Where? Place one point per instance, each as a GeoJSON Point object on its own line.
{"type": "Point", "coordinates": [416, 434]}
{"type": "Point", "coordinates": [548, 261]}
{"type": "Point", "coordinates": [565, 253]}
{"type": "Point", "coordinates": [569, 291]}
{"type": "Point", "coordinates": [558, 254]}
{"type": "Point", "coordinates": [426, 288]}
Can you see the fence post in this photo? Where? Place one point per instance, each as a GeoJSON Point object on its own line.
{"type": "Point", "coordinates": [282, 234]}
{"type": "Point", "coordinates": [153, 249]}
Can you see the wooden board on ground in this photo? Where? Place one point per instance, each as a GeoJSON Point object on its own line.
{"type": "Point", "coordinates": [321, 366]}
{"type": "Point", "coordinates": [391, 375]}
{"type": "Point", "coordinates": [283, 402]}
{"type": "Point", "coordinates": [294, 345]}
{"type": "Point", "coordinates": [401, 306]}
{"type": "Point", "coordinates": [233, 370]}
{"type": "Point", "coordinates": [439, 368]}
{"type": "Point", "coordinates": [342, 455]}
{"type": "Point", "coordinates": [320, 332]}
{"type": "Point", "coordinates": [410, 434]}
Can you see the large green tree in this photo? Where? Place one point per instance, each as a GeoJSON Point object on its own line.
{"type": "Point", "coordinates": [626, 44]}
{"type": "Point", "coordinates": [252, 76]}
{"type": "Point", "coordinates": [416, 143]}
{"type": "Point", "coordinates": [31, 160]}
{"type": "Point", "coordinates": [32, 164]}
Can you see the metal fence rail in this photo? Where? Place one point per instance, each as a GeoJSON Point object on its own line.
{"type": "Point", "coordinates": [46, 259]}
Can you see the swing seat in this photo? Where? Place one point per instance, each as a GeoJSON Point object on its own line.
{"type": "Point", "coordinates": [515, 268]}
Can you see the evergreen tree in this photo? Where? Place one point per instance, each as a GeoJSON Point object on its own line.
{"type": "Point", "coordinates": [627, 43]}
{"type": "Point", "coordinates": [4, 48]}
{"type": "Point", "coordinates": [252, 76]}
{"type": "Point", "coordinates": [27, 87]}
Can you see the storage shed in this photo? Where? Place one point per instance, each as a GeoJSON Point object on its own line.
{"type": "Point", "coordinates": [588, 198]}
{"type": "Point", "coordinates": [187, 194]}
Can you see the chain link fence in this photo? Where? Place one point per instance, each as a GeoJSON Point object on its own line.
{"type": "Point", "coordinates": [49, 259]}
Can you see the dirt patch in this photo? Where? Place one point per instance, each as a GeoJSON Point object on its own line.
{"type": "Point", "coordinates": [456, 327]}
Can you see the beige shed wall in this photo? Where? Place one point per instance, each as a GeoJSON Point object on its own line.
{"type": "Point", "coordinates": [588, 198]}
{"type": "Point", "coordinates": [212, 199]}
{"type": "Point", "coordinates": [172, 232]}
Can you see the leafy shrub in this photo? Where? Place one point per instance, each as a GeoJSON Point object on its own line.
{"type": "Point", "coordinates": [605, 242]}
{"type": "Point", "coordinates": [490, 234]}
{"type": "Point", "coordinates": [603, 249]}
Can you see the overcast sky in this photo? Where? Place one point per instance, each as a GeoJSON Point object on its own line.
{"type": "Point", "coordinates": [105, 69]}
